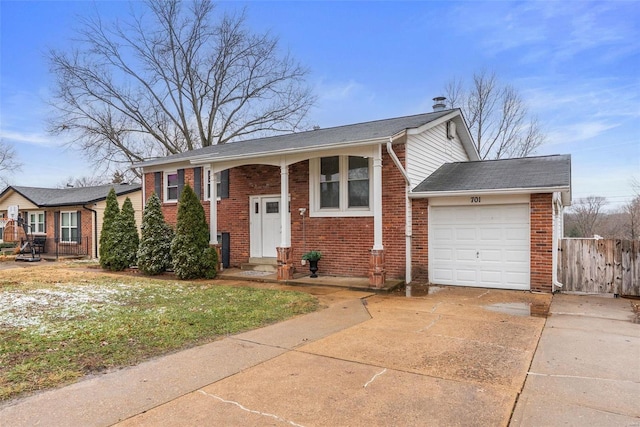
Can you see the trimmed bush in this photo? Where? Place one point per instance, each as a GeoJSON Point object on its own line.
{"type": "Point", "coordinates": [192, 256]}
{"type": "Point", "coordinates": [107, 242]}
{"type": "Point", "coordinates": [126, 239]}
{"type": "Point", "coordinates": [154, 252]}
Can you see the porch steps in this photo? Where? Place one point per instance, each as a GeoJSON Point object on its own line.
{"type": "Point", "coordinates": [261, 264]}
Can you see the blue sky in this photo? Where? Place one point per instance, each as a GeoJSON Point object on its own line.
{"type": "Point", "coordinates": [576, 63]}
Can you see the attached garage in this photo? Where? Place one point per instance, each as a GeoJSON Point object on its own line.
{"type": "Point", "coordinates": [485, 246]}
{"type": "Point", "coordinates": [495, 224]}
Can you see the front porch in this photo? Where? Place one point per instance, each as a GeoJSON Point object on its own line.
{"type": "Point", "coordinates": [303, 279]}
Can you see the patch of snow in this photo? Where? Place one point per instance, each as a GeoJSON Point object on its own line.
{"type": "Point", "coordinates": [36, 307]}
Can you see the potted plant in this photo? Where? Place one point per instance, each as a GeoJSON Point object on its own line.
{"type": "Point", "coordinates": [312, 257]}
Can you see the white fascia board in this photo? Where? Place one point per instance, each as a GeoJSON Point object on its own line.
{"type": "Point", "coordinates": [424, 127]}
{"type": "Point", "coordinates": [250, 158]}
{"type": "Point", "coordinates": [531, 190]}
{"type": "Point", "coordinates": [461, 127]}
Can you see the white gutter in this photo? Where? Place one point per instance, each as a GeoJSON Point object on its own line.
{"type": "Point", "coordinates": [556, 205]}
{"type": "Point", "coordinates": [527, 190]}
{"type": "Point", "coordinates": [206, 158]}
{"type": "Point", "coordinates": [408, 215]}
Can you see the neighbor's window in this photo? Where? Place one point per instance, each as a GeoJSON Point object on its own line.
{"type": "Point", "coordinates": [171, 187]}
{"type": "Point", "coordinates": [339, 186]}
{"type": "Point", "coordinates": [69, 227]}
{"type": "Point", "coordinates": [36, 222]}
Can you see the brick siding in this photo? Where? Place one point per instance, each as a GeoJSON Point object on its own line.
{"type": "Point", "coordinates": [541, 242]}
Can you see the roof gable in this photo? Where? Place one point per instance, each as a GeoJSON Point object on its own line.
{"type": "Point", "coordinates": [314, 139]}
{"type": "Point", "coordinates": [550, 172]}
{"type": "Point", "coordinates": [49, 197]}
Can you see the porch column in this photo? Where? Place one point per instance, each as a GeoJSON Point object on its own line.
{"type": "Point", "coordinates": [284, 251]}
{"type": "Point", "coordinates": [213, 209]}
{"type": "Point", "coordinates": [213, 217]}
{"type": "Point", "coordinates": [377, 271]}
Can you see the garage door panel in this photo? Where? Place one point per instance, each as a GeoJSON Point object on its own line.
{"type": "Point", "coordinates": [518, 256]}
{"type": "Point", "coordinates": [491, 277]}
{"type": "Point", "coordinates": [489, 255]}
{"type": "Point", "coordinates": [443, 255]}
{"type": "Point", "coordinates": [465, 234]}
{"type": "Point", "coordinates": [443, 276]}
{"type": "Point", "coordinates": [490, 234]}
{"type": "Point", "coordinates": [462, 255]}
{"type": "Point", "coordinates": [484, 246]}
{"type": "Point", "coordinates": [465, 275]}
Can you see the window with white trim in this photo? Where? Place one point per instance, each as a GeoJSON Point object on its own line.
{"type": "Point", "coordinates": [340, 186]}
{"type": "Point", "coordinates": [69, 227]}
{"type": "Point", "coordinates": [208, 185]}
{"type": "Point", "coordinates": [171, 187]}
{"type": "Point", "coordinates": [36, 222]}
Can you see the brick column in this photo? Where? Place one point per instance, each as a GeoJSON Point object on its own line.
{"type": "Point", "coordinates": [218, 249]}
{"type": "Point", "coordinates": [377, 271]}
{"type": "Point", "coordinates": [285, 263]}
{"type": "Point", "coordinates": [541, 242]}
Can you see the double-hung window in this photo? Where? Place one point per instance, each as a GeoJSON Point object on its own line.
{"type": "Point", "coordinates": [208, 186]}
{"type": "Point", "coordinates": [171, 187]}
{"type": "Point", "coordinates": [340, 186]}
{"type": "Point", "coordinates": [69, 227]}
{"type": "Point", "coordinates": [36, 222]}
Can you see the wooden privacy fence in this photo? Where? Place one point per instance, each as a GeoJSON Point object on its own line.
{"type": "Point", "coordinates": [600, 266]}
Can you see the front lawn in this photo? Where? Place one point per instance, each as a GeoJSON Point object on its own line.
{"type": "Point", "coordinates": [52, 333]}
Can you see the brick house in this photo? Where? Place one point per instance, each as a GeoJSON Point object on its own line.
{"type": "Point", "coordinates": [67, 220]}
{"type": "Point", "coordinates": [379, 200]}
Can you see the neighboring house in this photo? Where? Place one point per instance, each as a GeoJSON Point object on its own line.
{"type": "Point", "coordinates": [403, 198]}
{"type": "Point", "coordinates": [70, 219]}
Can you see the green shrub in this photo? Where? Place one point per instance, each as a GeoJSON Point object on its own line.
{"type": "Point", "coordinates": [107, 241]}
{"type": "Point", "coordinates": [154, 256]}
{"type": "Point", "coordinates": [125, 238]}
{"type": "Point", "coordinates": [192, 257]}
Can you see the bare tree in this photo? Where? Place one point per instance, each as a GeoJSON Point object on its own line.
{"type": "Point", "coordinates": [8, 161]}
{"type": "Point", "coordinates": [92, 181]}
{"type": "Point", "coordinates": [172, 79]}
{"type": "Point", "coordinates": [632, 209]}
{"type": "Point", "coordinates": [586, 215]}
{"type": "Point", "coordinates": [497, 116]}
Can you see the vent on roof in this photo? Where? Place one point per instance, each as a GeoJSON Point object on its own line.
{"type": "Point", "coordinates": [439, 103]}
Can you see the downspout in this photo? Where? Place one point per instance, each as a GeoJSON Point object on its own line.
{"type": "Point", "coordinates": [557, 211]}
{"type": "Point", "coordinates": [95, 229]}
{"type": "Point", "coordinates": [407, 215]}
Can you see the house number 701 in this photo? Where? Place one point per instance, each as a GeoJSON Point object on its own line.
{"type": "Point", "coordinates": [475, 199]}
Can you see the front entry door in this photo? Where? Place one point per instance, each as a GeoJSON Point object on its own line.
{"type": "Point", "coordinates": [265, 226]}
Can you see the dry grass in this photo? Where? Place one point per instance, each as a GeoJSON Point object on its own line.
{"type": "Point", "coordinates": [60, 322]}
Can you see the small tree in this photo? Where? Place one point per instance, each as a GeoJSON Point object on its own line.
{"type": "Point", "coordinates": [107, 243]}
{"type": "Point", "coordinates": [154, 255]}
{"type": "Point", "coordinates": [125, 238]}
{"type": "Point", "coordinates": [192, 256]}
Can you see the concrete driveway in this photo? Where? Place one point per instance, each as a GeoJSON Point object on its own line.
{"type": "Point", "coordinates": [458, 356]}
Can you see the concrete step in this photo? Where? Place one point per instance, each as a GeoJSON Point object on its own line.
{"type": "Point", "coordinates": [261, 264]}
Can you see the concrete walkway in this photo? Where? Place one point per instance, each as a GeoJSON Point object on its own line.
{"type": "Point", "coordinates": [586, 370]}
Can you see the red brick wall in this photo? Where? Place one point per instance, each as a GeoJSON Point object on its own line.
{"type": "Point", "coordinates": [344, 242]}
{"type": "Point", "coordinates": [541, 242]}
{"type": "Point", "coordinates": [420, 241]}
{"type": "Point", "coordinates": [86, 228]}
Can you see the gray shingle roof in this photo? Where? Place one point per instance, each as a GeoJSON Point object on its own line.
{"type": "Point", "coordinates": [526, 172]}
{"type": "Point", "coordinates": [49, 197]}
{"type": "Point", "coordinates": [309, 139]}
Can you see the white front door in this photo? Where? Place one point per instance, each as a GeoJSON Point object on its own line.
{"type": "Point", "coordinates": [486, 246]}
{"type": "Point", "coordinates": [265, 226]}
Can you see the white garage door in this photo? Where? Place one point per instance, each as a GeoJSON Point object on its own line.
{"type": "Point", "coordinates": [486, 246]}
